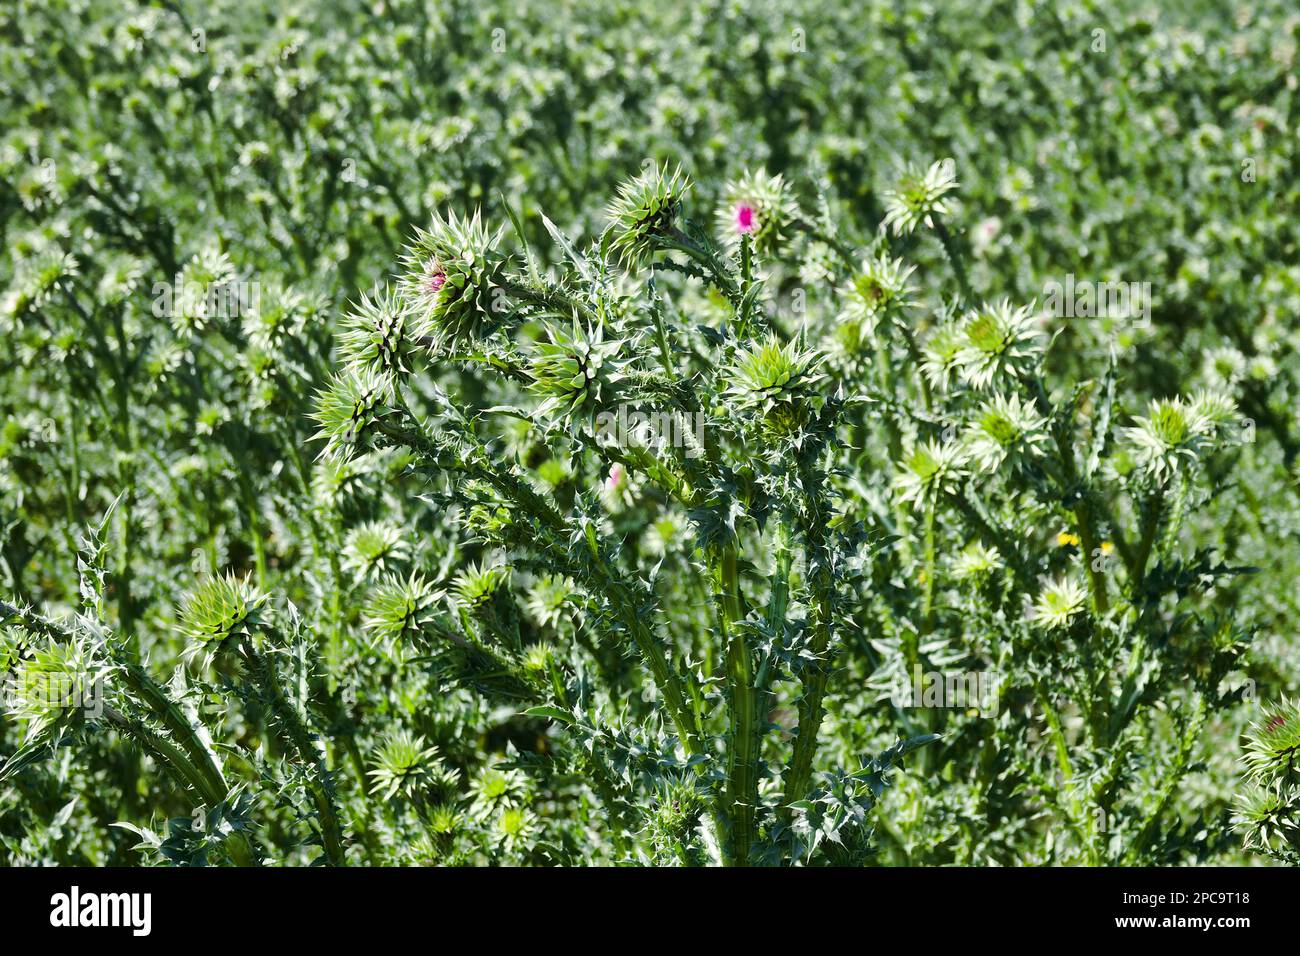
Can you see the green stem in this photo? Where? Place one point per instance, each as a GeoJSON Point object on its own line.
{"type": "Point", "coordinates": [742, 771]}
{"type": "Point", "coordinates": [816, 672]}
{"type": "Point", "coordinates": [295, 733]}
{"type": "Point", "coordinates": [927, 600]}
{"type": "Point", "coordinates": [955, 258]}
{"type": "Point", "coordinates": [1150, 526]}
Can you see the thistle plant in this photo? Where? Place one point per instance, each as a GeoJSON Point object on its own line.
{"type": "Point", "coordinates": [1267, 808]}
{"type": "Point", "coordinates": [920, 197]}
{"type": "Point", "coordinates": [390, 474]}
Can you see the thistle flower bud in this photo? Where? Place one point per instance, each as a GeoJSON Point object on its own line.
{"type": "Point", "coordinates": [496, 789]}
{"type": "Point", "coordinates": [399, 610]}
{"type": "Point", "coordinates": [1273, 744]}
{"type": "Point", "coordinates": [478, 584]}
{"type": "Point", "coordinates": [940, 355]}
{"type": "Point", "coordinates": [374, 547]}
{"type": "Point", "coordinates": [778, 383]}
{"type": "Point", "coordinates": [997, 341]}
{"type": "Point", "coordinates": [918, 197]}
{"type": "Point", "coordinates": [1175, 433]}
{"type": "Point", "coordinates": [380, 335]}
{"type": "Point", "coordinates": [405, 766]}
{"type": "Point", "coordinates": [200, 289]}
{"type": "Point", "coordinates": [1268, 817]}
{"type": "Point", "coordinates": [347, 407]}
{"type": "Point", "coordinates": [976, 561]}
{"type": "Point", "coordinates": [878, 289]}
{"type": "Point", "coordinates": [1059, 604]}
{"type": "Point", "coordinates": [549, 600]}
{"type": "Point", "coordinates": [35, 280]}
{"type": "Point", "coordinates": [1004, 428]}
{"type": "Point", "coordinates": [646, 208]}
{"type": "Point", "coordinates": [220, 612]}
{"type": "Point", "coordinates": [56, 684]}
{"type": "Point", "coordinates": [929, 470]}
{"type": "Point", "coordinates": [451, 273]}
{"type": "Point", "coordinates": [576, 371]}
{"type": "Point", "coordinates": [514, 828]}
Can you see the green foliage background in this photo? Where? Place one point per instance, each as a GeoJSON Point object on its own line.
{"type": "Point", "coordinates": [300, 145]}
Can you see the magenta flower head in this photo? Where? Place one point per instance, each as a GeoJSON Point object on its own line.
{"type": "Point", "coordinates": [758, 206]}
{"type": "Point", "coordinates": [745, 217]}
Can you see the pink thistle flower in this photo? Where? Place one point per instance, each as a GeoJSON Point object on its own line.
{"type": "Point", "coordinates": [615, 477]}
{"type": "Point", "coordinates": [745, 221]}
{"type": "Point", "coordinates": [437, 278]}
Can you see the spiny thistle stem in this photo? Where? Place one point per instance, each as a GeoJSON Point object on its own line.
{"type": "Point", "coordinates": [1152, 510]}
{"type": "Point", "coordinates": [296, 735]}
{"type": "Point", "coordinates": [816, 672]}
{"type": "Point", "coordinates": [661, 331]}
{"type": "Point", "coordinates": [955, 258]}
{"type": "Point", "coordinates": [680, 242]}
{"type": "Point", "coordinates": [742, 771]}
{"type": "Point", "coordinates": [165, 752]}
{"type": "Point", "coordinates": [927, 593]}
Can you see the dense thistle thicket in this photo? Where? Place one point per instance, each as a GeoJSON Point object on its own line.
{"type": "Point", "coordinates": [535, 512]}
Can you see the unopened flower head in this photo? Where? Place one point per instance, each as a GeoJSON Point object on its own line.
{"type": "Point", "coordinates": [940, 356]}
{"type": "Point", "coordinates": [918, 197]}
{"type": "Point", "coordinates": [998, 341]}
{"type": "Point", "coordinates": [398, 609]}
{"type": "Point", "coordinates": [380, 334]}
{"type": "Point", "coordinates": [1175, 433]}
{"type": "Point", "coordinates": [1059, 604]}
{"type": "Point", "coordinates": [549, 600]}
{"type": "Point", "coordinates": [879, 289]}
{"type": "Point", "coordinates": [35, 280]}
{"type": "Point", "coordinates": [55, 682]}
{"type": "Point", "coordinates": [374, 547]}
{"type": "Point", "coordinates": [219, 613]}
{"type": "Point", "coordinates": [406, 766]}
{"type": "Point", "coordinates": [778, 383]}
{"type": "Point", "coordinates": [475, 587]}
{"type": "Point", "coordinates": [1004, 427]}
{"type": "Point", "coordinates": [453, 274]}
{"type": "Point", "coordinates": [977, 560]}
{"type": "Point", "coordinates": [348, 406]}
{"type": "Point", "coordinates": [576, 370]}
{"type": "Point", "coordinates": [646, 209]}
{"type": "Point", "coordinates": [930, 470]}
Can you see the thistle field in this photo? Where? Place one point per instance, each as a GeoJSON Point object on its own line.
{"type": "Point", "coordinates": [561, 432]}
